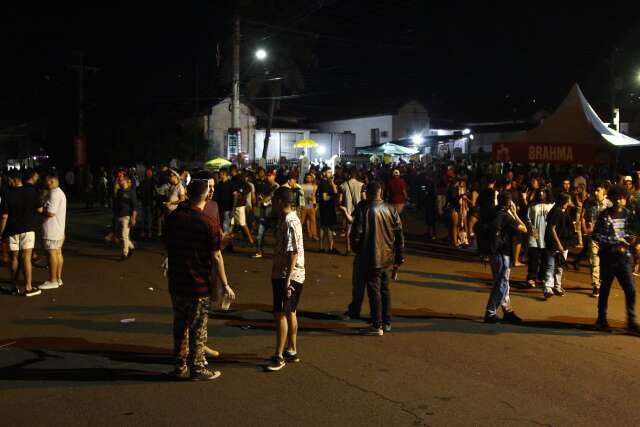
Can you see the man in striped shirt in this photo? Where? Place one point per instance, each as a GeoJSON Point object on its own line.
{"type": "Point", "coordinates": [193, 246]}
{"type": "Point", "coordinates": [612, 233]}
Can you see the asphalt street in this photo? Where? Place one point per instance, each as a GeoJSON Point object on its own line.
{"type": "Point", "coordinates": [67, 358]}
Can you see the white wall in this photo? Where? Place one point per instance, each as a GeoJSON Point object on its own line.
{"type": "Point", "coordinates": [280, 143]}
{"type": "Point", "coordinates": [219, 124]}
{"type": "Point", "coordinates": [361, 127]}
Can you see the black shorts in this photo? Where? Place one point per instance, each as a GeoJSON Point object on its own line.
{"type": "Point", "coordinates": [282, 304]}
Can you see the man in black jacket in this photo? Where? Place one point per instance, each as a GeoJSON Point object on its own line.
{"type": "Point", "coordinates": [376, 237]}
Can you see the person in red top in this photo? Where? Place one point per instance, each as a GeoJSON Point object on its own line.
{"type": "Point", "coordinates": [193, 247]}
{"type": "Point", "coordinates": [397, 191]}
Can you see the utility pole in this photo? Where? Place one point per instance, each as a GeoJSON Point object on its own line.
{"type": "Point", "coordinates": [235, 119]}
{"type": "Point", "coordinates": [234, 143]}
{"type": "Point", "coordinates": [80, 141]}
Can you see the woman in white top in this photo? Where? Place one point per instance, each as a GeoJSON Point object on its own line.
{"type": "Point", "coordinates": [539, 207]}
{"type": "Point", "coordinates": [309, 209]}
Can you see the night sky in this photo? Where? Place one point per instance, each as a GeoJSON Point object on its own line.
{"type": "Point", "coordinates": [466, 62]}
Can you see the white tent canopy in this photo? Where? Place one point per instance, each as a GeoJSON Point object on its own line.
{"type": "Point", "coordinates": [575, 122]}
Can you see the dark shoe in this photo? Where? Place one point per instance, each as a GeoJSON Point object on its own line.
{"type": "Point", "coordinates": [205, 375]}
{"type": "Point", "coordinates": [575, 266]}
{"type": "Point", "coordinates": [290, 357]}
{"type": "Point", "coordinates": [180, 373]}
{"type": "Point", "coordinates": [276, 363]}
{"type": "Point", "coordinates": [131, 251]}
{"type": "Point", "coordinates": [334, 251]}
{"type": "Point", "coordinates": [559, 292]}
{"type": "Point", "coordinates": [633, 329]}
{"type": "Point", "coordinates": [387, 327]}
{"type": "Point", "coordinates": [346, 316]}
{"type": "Point", "coordinates": [491, 319]}
{"type": "Point", "coordinates": [547, 294]}
{"type": "Point", "coordinates": [602, 326]}
{"type": "Point", "coordinates": [511, 317]}
{"type": "Point", "coordinates": [596, 292]}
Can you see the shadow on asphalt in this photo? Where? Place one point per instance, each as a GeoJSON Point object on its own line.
{"type": "Point", "coordinates": [55, 349]}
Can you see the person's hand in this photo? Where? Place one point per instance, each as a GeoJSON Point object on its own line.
{"type": "Point", "coordinates": [394, 272]}
{"type": "Point", "coordinates": [288, 288]}
{"type": "Point", "coordinates": [229, 293]}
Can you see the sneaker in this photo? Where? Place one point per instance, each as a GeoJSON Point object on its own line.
{"type": "Point", "coordinates": [387, 327]}
{"type": "Point", "coordinates": [547, 294]}
{"type": "Point", "coordinates": [258, 255]}
{"type": "Point", "coordinates": [491, 319]}
{"type": "Point", "coordinates": [180, 373]}
{"type": "Point", "coordinates": [28, 293]}
{"type": "Point", "coordinates": [276, 363]}
{"type": "Point", "coordinates": [511, 317]}
{"type": "Point", "coordinates": [559, 292]}
{"type": "Point", "coordinates": [602, 325]}
{"type": "Point", "coordinates": [49, 285]}
{"type": "Point", "coordinates": [205, 374]}
{"type": "Point", "coordinates": [60, 283]}
{"type": "Point", "coordinates": [291, 357]}
{"type": "Point", "coordinates": [373, 331]}
{"type": "Point", "coordinates": [596, 292]}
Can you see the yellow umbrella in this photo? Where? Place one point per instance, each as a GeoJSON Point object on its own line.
{"type": "Point", "coordinates": [219, 162]}
{"type": "Point", "coordinates": [306, 143]}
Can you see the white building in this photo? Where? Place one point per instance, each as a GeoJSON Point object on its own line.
{"type": "Point", "coordinates": [217, 124]}
{"type": "Point", "coordinates": [411, 118]}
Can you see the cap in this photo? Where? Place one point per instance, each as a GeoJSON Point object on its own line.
{"type": "Point", "coordinates": [627, 178]}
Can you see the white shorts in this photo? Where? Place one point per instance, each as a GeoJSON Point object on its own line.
{"type": "Point", "coordinates": [239, 216]}
{"type": "Point", "coordinates": [51, 245]}
{"type": "Point", "coordinates": [20, 242]}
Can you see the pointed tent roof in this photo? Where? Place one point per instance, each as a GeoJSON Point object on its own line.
{"type": "Point", "coordinates": [575, 122]}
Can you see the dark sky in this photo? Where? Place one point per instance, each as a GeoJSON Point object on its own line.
{"type": "Point", "coordinates": [465, 61]}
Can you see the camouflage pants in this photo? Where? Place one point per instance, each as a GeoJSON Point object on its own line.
{"type": "Point", "coordinates": [190, 318]}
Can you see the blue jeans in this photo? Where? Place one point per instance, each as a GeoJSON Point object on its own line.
{"type": "Point", "coordinates": [553, 270]}
{"type": "Point", "coordinates": [263, 226]}
{"type": "Point", "coordinates": [499, 297]}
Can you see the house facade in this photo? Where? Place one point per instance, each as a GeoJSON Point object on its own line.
{"type": "Point", "coordinates": [409, 119]}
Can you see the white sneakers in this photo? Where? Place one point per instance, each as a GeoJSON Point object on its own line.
{"type": "Point", "coordinates": [50, 285]}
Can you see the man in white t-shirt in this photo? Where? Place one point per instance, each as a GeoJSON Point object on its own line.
{"type": "Point", "coordinates": [53, 229]}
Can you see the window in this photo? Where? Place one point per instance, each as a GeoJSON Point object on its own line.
{"type": "Point", "coordinates": [375, 136]}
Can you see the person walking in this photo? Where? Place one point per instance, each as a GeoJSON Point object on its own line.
{"type": "Point", "coordinates": [193, 248]}
{"type": "Point", "coordinates": [612, 232]}
{"type": "Point", "coordinates": [377, 238]}
{"type": "Point", "coordinates": [559, 237]}
{"type": "Point", "coordinates": [287, 278]}
{"type": "Point", "coordinates": [504, 226]}
{"type": "Point", "coordinates": [126, 214]}
{"type": "Point", "coordinates": [265, 188]}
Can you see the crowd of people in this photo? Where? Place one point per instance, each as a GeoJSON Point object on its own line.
{"type": "Point", "coordinates": [543, 217]}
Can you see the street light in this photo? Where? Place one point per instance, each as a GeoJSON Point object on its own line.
{"type": "Point", "coordinates": [261, 54]}
{"type": "Point", "coordinates": [417, 139]}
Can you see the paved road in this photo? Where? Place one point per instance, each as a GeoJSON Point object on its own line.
{"type": "Point", "coordinates": [67, 359]}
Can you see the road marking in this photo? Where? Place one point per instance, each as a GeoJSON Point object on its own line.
{"type": "Point", "coordinates": [7, 344]}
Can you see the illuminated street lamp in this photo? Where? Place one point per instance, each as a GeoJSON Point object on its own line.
{"type": "Point", "coordinates": [417, 139]}
{"type": "Point", "coordinates": [261, 54]}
